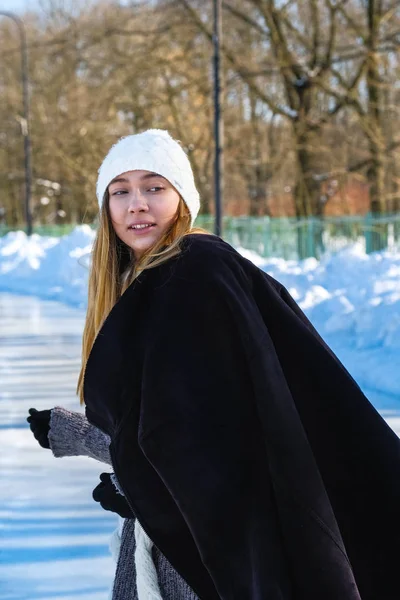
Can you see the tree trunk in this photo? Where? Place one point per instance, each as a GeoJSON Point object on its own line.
{"type": "Point", "coordinates": [308, 205]}
{"type": "Point", "coordinates": [376, 171]}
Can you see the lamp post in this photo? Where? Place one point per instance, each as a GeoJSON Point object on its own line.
{"type": "Point", "coordinates": [25, 119]}
{"type": "Point", "coordinates": [218, 122]}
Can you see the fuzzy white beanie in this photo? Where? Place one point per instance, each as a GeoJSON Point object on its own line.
{"type": "Point", "coordinates": [153, 150]}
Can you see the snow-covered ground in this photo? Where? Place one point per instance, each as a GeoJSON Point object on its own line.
{"type": "Point", "coordinates": [352, 298]}
{"type": "Point", "coordinates": [54, 538]}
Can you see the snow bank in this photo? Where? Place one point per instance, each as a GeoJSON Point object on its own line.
{"type": "Point", "coordinates": [47, 267]}
{"type": "Point", "coordinates": [352, 298]}
{"type": "Point", "coordinates": [350, 292]}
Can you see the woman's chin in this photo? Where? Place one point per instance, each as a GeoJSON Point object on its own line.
{"type": "Point", "coordinates": [140, 246]}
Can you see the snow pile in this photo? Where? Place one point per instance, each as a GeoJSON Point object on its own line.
{"type": "Point", "coordinates": [348, 292]}
{"type": "Point", "coordinates": [47, 267]}
{"type": "Point", "coordinates": [352, 298]}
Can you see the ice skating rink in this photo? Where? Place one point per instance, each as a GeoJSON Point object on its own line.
{"type": "Point", "coordinates": [54, 537]}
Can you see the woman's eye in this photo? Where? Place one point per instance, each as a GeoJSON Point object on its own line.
{"type": "Point", "coordinates": [156, 188]}
{"type": "Point", "coordinates": [118, 192]}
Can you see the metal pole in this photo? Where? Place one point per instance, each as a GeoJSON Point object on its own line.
{"type": "Point", "coordinates": [218, 122]}
{"type": "Point", "coordinates": [25, 119]}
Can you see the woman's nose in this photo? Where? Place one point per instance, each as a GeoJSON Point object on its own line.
{"type": "Point", "coordinates": [137, 202]}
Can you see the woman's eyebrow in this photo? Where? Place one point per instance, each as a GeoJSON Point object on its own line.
{"type": "Point", "coordinates": [150, 175]}
{"type": "Point", "coordinates": [119, 180]}
{"type": "Point", "coordinates": [143, 178]}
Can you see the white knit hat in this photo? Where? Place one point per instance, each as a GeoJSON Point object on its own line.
{"type": "Point", "coordinates": [153, 150]}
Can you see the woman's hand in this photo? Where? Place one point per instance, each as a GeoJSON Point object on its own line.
{"type": "Point", "coordinates": [110, 498]}
{"type": "Point", "coordinates": [39, 421]}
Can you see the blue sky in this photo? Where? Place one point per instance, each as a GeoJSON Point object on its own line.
{"type": "Point", "coordinates": [20, 6]}
{"type": "Point", "coordinates": [17, 6]}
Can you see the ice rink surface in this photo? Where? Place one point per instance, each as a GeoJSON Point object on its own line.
{"type": "Point", "coordinates": [54, 537]}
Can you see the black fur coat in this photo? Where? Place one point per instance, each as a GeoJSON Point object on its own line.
{"type": "Point", "coordinates": [246, 450]}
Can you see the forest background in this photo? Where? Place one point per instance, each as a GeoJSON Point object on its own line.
{"type": "Point", "coordinates": [311, 104]}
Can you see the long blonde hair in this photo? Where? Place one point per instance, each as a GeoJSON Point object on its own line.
{"type": "Point", "coordinates": [114, 268]}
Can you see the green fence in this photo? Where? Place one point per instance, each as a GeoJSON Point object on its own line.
{"type": "Point", "coordinates": [51, 230]}
{"type": "Point", "coordinates": [291, 238]}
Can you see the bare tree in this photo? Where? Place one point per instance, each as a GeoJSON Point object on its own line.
{"type": "Point", "coordinates": [310, 97]}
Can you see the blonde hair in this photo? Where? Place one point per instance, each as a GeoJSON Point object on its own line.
{"type": "Point", "coordinates": [114, 268]}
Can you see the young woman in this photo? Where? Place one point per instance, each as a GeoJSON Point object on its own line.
{"type": "Point", "coordinates": [245, 451]}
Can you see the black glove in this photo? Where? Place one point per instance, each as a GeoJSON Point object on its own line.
{"type": "Point", "coordinates": [39, 422]}
{"type": "Point", "coordinates": [110, 498]}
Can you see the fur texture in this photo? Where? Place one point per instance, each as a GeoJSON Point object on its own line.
{"type": "Point", "coordinates": [248, 453]}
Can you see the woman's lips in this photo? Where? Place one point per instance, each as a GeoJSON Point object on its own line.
{"type": "Point", "coordinates": [142, 230]}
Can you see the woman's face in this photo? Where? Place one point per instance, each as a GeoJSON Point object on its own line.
{"type": "Point", "coordinates": [139, 198]}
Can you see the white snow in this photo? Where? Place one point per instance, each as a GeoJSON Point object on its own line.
{"type": "Point", "coordinates": [46, 266]}
{"type": "Point", "coordinates": [352, 298]}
